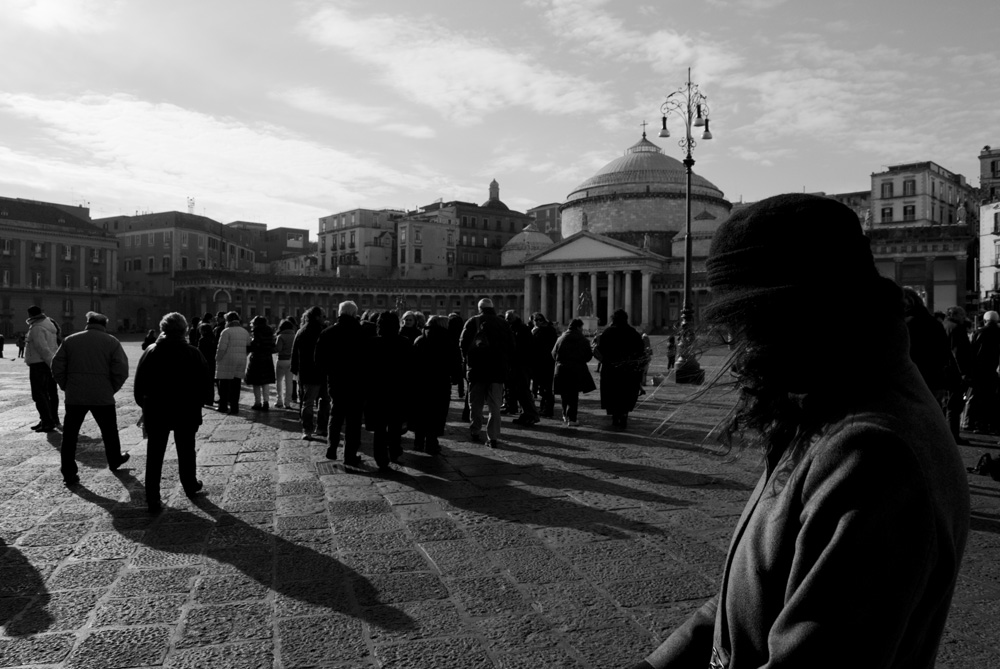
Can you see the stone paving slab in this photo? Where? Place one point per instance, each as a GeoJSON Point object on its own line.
{"type": "Point", "coordinates": [563, 547]}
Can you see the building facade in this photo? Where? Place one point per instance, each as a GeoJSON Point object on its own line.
{"type": "Point", "coordinates": [548, 220]}
{"type": "Point", "coordinates": [989, 173]}
{"type": "Point", "coordinates": [427, 245]}
{"type": "Point", "coordinates": [56, 260]}
{"type": "Point", "coordinates": [358, 243]}
{"type": "Point", "coordinates": [923, 234]}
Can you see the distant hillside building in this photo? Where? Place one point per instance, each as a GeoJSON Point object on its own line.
{"type": "Point", "coordinates": [51, 256]}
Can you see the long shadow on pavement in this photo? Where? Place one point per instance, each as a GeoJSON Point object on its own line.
{"type": "Point", "coordinates": [20, 582]}
{"type": "Point", "coordinates": [297, 572]}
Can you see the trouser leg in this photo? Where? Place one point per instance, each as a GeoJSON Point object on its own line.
{"type": "Point", "coordinates": [38, 375]}
{"type": "Point", "coordinates": [223, 385]}
{"type": "Point", "coordinates": [235, 386]}
{"type": "Point", "coordinates": [107, 421]}
{"type": "Point", "coordinates": [476, 397]}
{"type": "Point", "coordinates": [187, 467]}
{"type": "Point", "coordinates": [53, 390]}
{"type": "Point", "coordinates": [71, 432]}
{"type": "Point", "coordinates": [156, 448]}
{"type": "Point", "coordinates": [336, 424]}
{"type": "Point", "coordinates": [307, 406]}
{"type": "Point", "coordinates": [494, 397]}
{"type": "Point", "coordinates": [380, 445]}
{"type": "Point", "coordinates": [352, 431]}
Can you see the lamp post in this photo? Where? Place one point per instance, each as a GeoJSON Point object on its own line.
{"type": "Point", "coordinates": [691, 106]}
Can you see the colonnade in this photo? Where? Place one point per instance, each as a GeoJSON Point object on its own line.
{"type": "Point", "coordinates": [556, 294]}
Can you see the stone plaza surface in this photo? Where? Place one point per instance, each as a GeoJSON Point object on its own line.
{"type": "Point", "coordinates": [561, 548]}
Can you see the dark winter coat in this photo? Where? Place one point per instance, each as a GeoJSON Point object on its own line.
{"type": "Point", "coordinates": [570, 354]}
{"type": "Point", "coordinates": [958, 341]}
{"type": "Point", "coordinates": [387, 397]}
{"type": "Point", "coordinates": [91, 366]}
{"type": "Point", "coordinates": [411, 332]}
{"type": "Point", "coordinates": [492, 367]}
{"type": "Point", "coordinates": [543, 340]}
{"type": "Point", "coordinates": [340, 355]}
{"type": "Point", "coordinates": [260, 360]}
{"type": "Point", "coordinates": [622, 355]}
{"type": "Point", "coordinates": [929, 349]}
{"type": "Point", "coordinates": [168, 385]}
{"type": "Point", "coordinates": [849, 557]}
{"type": "Point", "coordinates": [304, 355]}
{"type": "Point", "coordinates": [207, 346]}
{"type": "Point", "coordinates": [986, 352]}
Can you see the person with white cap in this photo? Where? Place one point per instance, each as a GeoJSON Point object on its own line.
{"type": "Point", "coordinates": [981, 409]}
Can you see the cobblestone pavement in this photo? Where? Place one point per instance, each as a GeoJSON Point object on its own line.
{"type": "Point", "coordinates": [560, 548]}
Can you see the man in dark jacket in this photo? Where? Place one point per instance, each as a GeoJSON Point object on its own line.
{"type": "Point", "coordinates": [338, 358]}
{"type": "Point", "coordinates": [981, 409]}
{"type": "Point", "coordinates": [543, 366]}
{"type": "Point", "coordinates": [487, 345]}
{"type": "Point", "coordinates": [858, 523]}
{"type": "Point", "coordinates": [90, 367]}
{"type": "Point", "coordinates": [929, 348]}
{"type": "Point", "coordinates": [312, 381]}
{"type": "Point", "coordinates": [621, 352]}
{"type": "Point", "coordinates": [958, 341]}
{"type": "Point", "coordinates": [167, 384]}
{"type": "Point", "coordinates": [519, 376]}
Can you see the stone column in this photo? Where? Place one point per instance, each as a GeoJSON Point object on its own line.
{"type": "Point", "coordinates": [575, 296]}
{"type": "Point", "coordinates": [646, 298]}
{"type": "Point", "coordinates": [527, 296]}
{"type": "Point", "coordinates": [593, 292]}
{"type": "Point", "coordinates": [560, 289]}
{"type": "Point", "coordinates": [611, 302]}
{"type": "Point", "coordinates": [543, 280]}
{"type": "Point", "coordinates": [628, 296]}
{"type": "Point", "coordinates": [960, 285]}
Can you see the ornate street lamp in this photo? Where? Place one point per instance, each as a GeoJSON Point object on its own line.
{"type": "Point", "coordinates": [688, 104]}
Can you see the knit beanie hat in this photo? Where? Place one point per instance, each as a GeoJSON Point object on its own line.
{"type": "Point", "coordinates": [34, 310]}
{"type": "Point", "coordinates": [784, 250]}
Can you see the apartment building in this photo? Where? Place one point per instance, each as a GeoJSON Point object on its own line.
{"type": "Point", "coordinates": [358, 243]}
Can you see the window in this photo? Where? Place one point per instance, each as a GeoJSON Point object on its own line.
{"type": "Point", "coordinates": [465, 240]}
{"type": "Point", "coordinates": [887, 189]}
{"type": "Point", "coordinates": [95, 305]}
{"type": "Point", "coordinates": [184, 239]}
{"type": "Point", "coordinates": [6, 248]}
{"type": "Point", "coordinates": [909, 212]}
{"type": "Point", "coordinates": [165, 263]}
{"type": "Point", "coordinates": [168, 238]}
{"type": "Point", "coordinates": [151, 263]}
{"type": "Point", "coordinates": [465, 221]}
{"type": "Point", "coordinates": [201, 263]}
{"type": "Point", "coordinates": [402, 235]}
{"type": "Point", "coordinates": [350, 243]}
{"type": "Point", "coordinates": [243, 254]}
{"type": "Point", "coordinates": [887, 214]}
{"type": "Point", "coordinates": [486, 240]}
{"type": "Point", "coordinates": [473, 219]}
{"type": "Point", "coordinates": [95, 282]}
{"type": "Point", "coordinates": [402, 255]}
{"type": "Point", "coordinates": [184, 262]}
{"type": "Point", "coordinates": [5, 278]}
{"type": "Point", "coordinates": [67, 281]}
{"type": "Point", "coordinates": [67, 307]}
{"type": "Point", "coordinates": [418, 256]}
{"type": "Point", "coordinates": [451, 238]}
{"type": "Point", "coordinates": [511, 227]}
{"type": "Point", "coordinates": [150, 237]}
{"type": "Point", "coordinates": [201, 242]}
{"type": "Point", "coordinates": [38, 280]}
{"type": "Point", "coordinates": [909, 187]}
{"type": "Point", "coordinates": [416, 235]}
{"type": "Point", "coordinates": [933, 188]}
{"type": "Point", "coordinates": [38, 250]}
{"type": "Point", "coordinates": [499, 223]}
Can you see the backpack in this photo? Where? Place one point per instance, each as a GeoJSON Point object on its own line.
{"type": "Point", "coordinates": [480, 349]}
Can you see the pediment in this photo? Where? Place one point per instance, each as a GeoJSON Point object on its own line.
{"type": "Point", "coordinates": [587, 246]}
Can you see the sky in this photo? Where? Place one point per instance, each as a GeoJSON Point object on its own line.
{"type": "Point", "coordinates": [282, 111]}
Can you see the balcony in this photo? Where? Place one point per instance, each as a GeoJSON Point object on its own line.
{"type": "Point", "coordinates": [96, 260]}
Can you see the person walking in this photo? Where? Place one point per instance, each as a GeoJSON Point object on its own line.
{"type": "Point", "coordinates": [487, 346]}
{"type": "Point", "coordinates": [41, 343]}
{"type": "Point", "coordinates": [647, 359]}
{"type": "Point", "coordinates": [337, 356]}
{"type": "Point", "coordinates": [929, 349]}
{"type": "Point", "coordinates": [386, 401]}
{"type": "Point", "coordinates": [571, 353]}
{"type": "Point", "coordinates": [671, 352]}
{"type": "Point", "coordinates": [260, 362]}
{"type": "Point", "coordinates": [207, 346]}
{"type": "Point", "coordinates": [231, 363]}
{"type": "Point", "coordinates": [283, 368]}
{"type": "Point", "coordinates": [519, 376]}
{"type": "Point", "coordinates": [20, 344]}
{"type": "Point", "coordinates": [90, 366]}
{"type": "Point", "coordinates": [849, 548]}
{"type": "Point", "coordinates": [958, 341]}
{"type": "Point", "coordinates": [619, 348]}
{"type": "Point", "coordinates": [981, 410]}
{"type": "Point", "coordinates": [311, 379]}
{"type": "Point", "coordinates": [437, 365]}
{"type": "Point", "coordinates": [163, 389]}
{"type": "Point", "coordinates": [543, 339]}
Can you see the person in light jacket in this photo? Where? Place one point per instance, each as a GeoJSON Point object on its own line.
{"type": "Point", "coordinates": [283, 368]}
{"type": "Point", "coordinates": [40, 348]}
{"type": "Point", "coordinates": [231, 362]}
{"type": "Point", "coordinates": [849, 548]}
{"type": "Point", "coordinates": [90, 366]}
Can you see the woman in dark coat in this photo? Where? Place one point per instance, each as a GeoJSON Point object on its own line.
{"type": "Point", "coordinates": [543, 338]}
{"type": "Point", "coordinates": [163, 389]}
{"type": "Point", "coordinates": [571, 354]}
{"type": "Point", "coordinates": [207, 346]}
{"type": "Point", "coordinates": [388, 354]}
{"type": "Point", "coordinates": [437, 364]}
{"type": "Point", "coordinates": [409, 328]}
{"type": "Point", "coordinates": [260, 363]}
{"type": "Point", "coordinates": [620, 350]}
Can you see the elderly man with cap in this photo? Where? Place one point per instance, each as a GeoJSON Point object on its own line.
{"type": "Point", "coordinates": [487, 346]}
{"type": "Point", "coordinates": [40, 347]}
{"type": "Point", "coordinates": [91, 366]}
{"type": "Point", "coordinates": [849, 548]}
{"type": "Point", "coordinates": [981, 405]}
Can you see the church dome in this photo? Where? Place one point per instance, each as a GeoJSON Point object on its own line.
{"type": "Point", "coordinates": [526, 243]}
{"type": "Point", "coordinates": [494, 201]}
{"type": "Point", "coordinates": [643, 165]}
{"type": "Point", "coordinates": [640, 198]}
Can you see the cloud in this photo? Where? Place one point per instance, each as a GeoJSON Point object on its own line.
{"type": "Point", "coordinates": [461, 77]}
{"type": "Point", "coordinates": [134, 152]}
{"type": "Point", "coordinates": [315, 101]}
{"type": "Point", "coordinates": [748, 5]}
{"type": "Point", "coordinates": [74, 16]}
{"type": "Point", "coordinates": [594, 31]}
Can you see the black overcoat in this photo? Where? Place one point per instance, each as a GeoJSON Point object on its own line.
{"type": "Point", "coordinates": [620, 350]}
{"type": "Point", "coordinates": [168, 385]}
{"type": "Point", "coordinates": [571, 354]}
